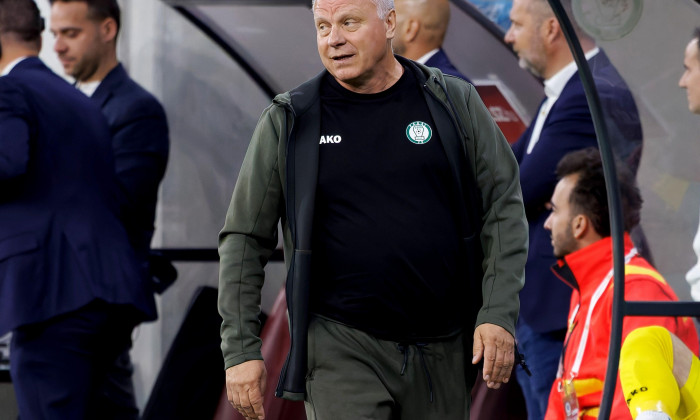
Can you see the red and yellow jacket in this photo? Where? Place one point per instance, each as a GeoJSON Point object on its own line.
{"type": "Point", "coordinates": [584, 270]}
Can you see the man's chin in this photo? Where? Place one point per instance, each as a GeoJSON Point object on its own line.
{"type": "Point", "coordinates": [526, 65]}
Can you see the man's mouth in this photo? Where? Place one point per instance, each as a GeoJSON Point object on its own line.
{"type": "Point", "coordinates": [340, 58]}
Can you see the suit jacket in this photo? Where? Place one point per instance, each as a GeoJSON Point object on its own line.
{"type": "Point", "coordinates": [140, 143]}
{"type": "Point", "coordinates": [568, 127]}
{"type": "Point", "coordinates": [442, 62]}
{"type": "Point", "coordinates": [61, 242]}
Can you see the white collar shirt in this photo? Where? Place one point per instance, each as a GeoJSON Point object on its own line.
{"type": "Point", "coordinates": [88, 88]}
{"type": "Point", "coordinates": [552, 89]}
{"type": "Point", "coordinates": [427, 56]}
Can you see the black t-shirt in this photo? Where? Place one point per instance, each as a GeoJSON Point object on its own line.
{"type": "Point", "coordinates": [386, 244]}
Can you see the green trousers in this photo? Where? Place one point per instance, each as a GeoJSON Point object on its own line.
{"type": "Point", "coordinates": [354, 376]}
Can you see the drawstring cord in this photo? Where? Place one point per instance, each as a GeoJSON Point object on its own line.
{"type": "Point", "coordinates": [404, 349]}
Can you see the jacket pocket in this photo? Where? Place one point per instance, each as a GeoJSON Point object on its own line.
{"type": "Point", "coordinates": [18, 244]}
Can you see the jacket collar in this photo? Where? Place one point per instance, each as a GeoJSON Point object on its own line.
{"type": "Point", "coordinates": [305, 95]}
{"type": "Point", "coordinates": [32, 62]}
{"type": "Point", "coordinates": [584, 269]}
{"type": "Point", "coordinates": [113, 79]}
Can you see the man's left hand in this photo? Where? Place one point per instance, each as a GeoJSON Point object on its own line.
{"type": "Point", "coordinates": [495, 345]}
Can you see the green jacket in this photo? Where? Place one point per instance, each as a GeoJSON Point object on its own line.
{"type": "Point", "coordinates": [278, 180]}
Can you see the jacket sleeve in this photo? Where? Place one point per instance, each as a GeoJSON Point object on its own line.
{"type": "Point", "coordinates": [141, 143]}
{"type": "Point", "coordinates": [504, 233]}
{"type": "Point", "coordinates": [14, 131]}
{"type": "Point", "coordinates": [247, 240]}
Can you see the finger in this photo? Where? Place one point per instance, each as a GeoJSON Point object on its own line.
{"type": "Point", "coordinates": [256, 402]}
{"type": "Point", "coordinates": [477, 348]}
{"type": "Point", "coordinates": [504, 360]}
{"type": "Point", "coordinates": [489, 359]}
{"type": "Point", "coordinates": [498, 363]}
{"type": "Point", "coordinates": [232, 396]}
{"type": "Point", "coordinates": [245, 408]}
{"type": "Point", "coordinates": [508, 369]}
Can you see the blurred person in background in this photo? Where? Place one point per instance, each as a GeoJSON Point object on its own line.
{"type": "Point", "coordinates": [690, 81]}
{"type": "Point", "coordinates": [85, 33]}
{"type": "Point", "coordinates": [71, 287]}
{"type": "Point", "coordinates": [563, 124]}
{"type": "Point", "coordinates": [421, 26]}
{"type": "Point", "coordinates": [579, 224]}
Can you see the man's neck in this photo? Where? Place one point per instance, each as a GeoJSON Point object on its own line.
{"type": "Point", "coordinates": [562, 58]}
{"type": "Point", "coordinates": [103, 70]}
{"type": "Point", "coordinates": [11, 53]}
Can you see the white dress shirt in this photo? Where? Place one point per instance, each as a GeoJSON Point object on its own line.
{"type": "Point", "coordinates": [88, 88]}
{"type": "Point", "coordinates": [552, 89]}
{"type": "Point", "coordinates": [427, 56]}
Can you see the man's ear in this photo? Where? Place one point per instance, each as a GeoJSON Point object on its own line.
{"type": "Point", "coordinates": [550, 30]}
{"type": "Point", "coordinates": [580, 225]}
{"type": "Point", "coordinates": [390, 24]}
{"type": "Point", "coordinates": [108, 30]}
{"type": "Point", "coordinates": [412, 29]}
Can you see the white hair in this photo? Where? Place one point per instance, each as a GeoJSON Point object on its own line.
{"type": "Point", "coordinates": [383, 7]}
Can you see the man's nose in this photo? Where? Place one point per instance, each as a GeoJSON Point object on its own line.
{"type": "Point", "coordinates": [548, 223]}
{"type": "Point", "coordinates": [59, 46]}
{"type": "Point", "coordinates": [336, 37]}
{"type": "Point", "coordinates": [508, 38]}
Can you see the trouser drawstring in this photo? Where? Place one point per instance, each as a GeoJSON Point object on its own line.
{"type": "Point", "coordinates": [404, 349]}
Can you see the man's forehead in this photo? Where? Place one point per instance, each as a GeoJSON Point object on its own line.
{"type": "Point", "coordinates": [71, 9]}
{"type": "Point", "coordinates": [324, 7]}
{"type": "Point", "coordinates": [691, 50]}
{"type": "Point", "coordinates": [564, 187]}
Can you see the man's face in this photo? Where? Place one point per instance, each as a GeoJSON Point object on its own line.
{"type": "Point", "coordinates": [524, 36]}
{"type": "Point", "coordinates": [559, 222]}
{"type": "Point", "coordinates": [78, 42]}
{"type": "Point", "coordinates": [690, 80]}
{"type": "Point", "coordinates": [352, 40]}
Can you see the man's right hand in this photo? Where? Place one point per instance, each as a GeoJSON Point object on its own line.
{"type": "Point", "coordinates": [245, 387]}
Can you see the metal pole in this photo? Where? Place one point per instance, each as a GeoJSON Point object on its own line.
{"type": "Point", "coordinates": [613, 191]}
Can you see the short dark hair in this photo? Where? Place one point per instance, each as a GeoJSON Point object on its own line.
{"type": "Point", "coordinates": [99, 10]}
{"type": "Point", "coordinates": [589, 195]}
{"type": "Point", "coordinates": [21, 18]}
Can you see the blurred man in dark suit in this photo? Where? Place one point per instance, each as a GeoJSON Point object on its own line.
{"type": "Point", "coordinates": [71, 289]}
{"type": "Point", "coordinates": [562, 124]}
{"type": "Point", "coordinates": [421, 26]}
{"type": "Point", "coordinates": [86, 41]}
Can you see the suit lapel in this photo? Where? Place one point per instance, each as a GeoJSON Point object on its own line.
{"type": "Point", "coordinates": [106, 88]}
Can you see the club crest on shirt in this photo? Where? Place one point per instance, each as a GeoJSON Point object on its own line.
{"type": "Point", "coordinates": [419, 132]}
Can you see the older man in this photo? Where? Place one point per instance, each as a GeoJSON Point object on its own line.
{"type": "Point", "coordinates": [387, 209]}
{"type": "Point", "coordinates": [421, 26]}
{"type": "Point", "coordinates": [563, 124]}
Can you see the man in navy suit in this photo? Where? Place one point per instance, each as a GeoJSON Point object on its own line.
{"type": "Point", "coordinates": [71, 289]}
{"type": "Point", "coordinates": [563, 124]}
{"type": "Point", "coordinates": [421, 26]}
{"type": "Point", "coordinates": [86, 41]}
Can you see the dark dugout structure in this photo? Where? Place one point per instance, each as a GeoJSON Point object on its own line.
{"type": "Point", "coordinates": [215, 64]}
